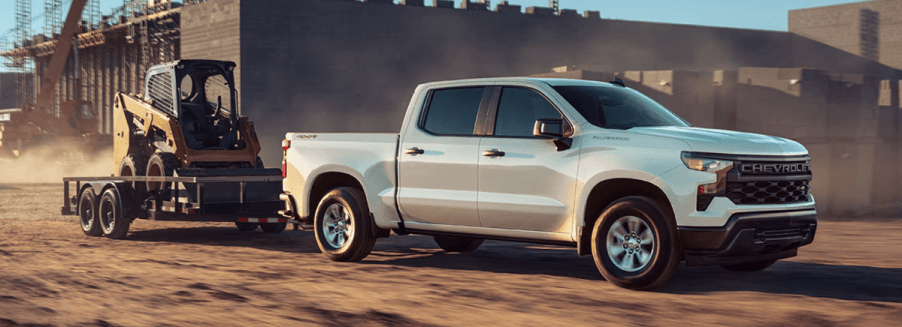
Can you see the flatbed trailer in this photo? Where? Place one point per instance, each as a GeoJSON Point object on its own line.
{"type": "Point", "coordinates": [108, 205]}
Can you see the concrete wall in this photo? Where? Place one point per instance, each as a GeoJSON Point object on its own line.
{"type": "Point", "coordinates": [838, 26]}
{"type": "Point", "coordinates": [212, 31]}
{"type": "Point", "coordinates": [347, 66]}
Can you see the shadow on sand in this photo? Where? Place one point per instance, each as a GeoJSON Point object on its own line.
{"type": "Point", "coordinates": [288, 241]}
{"type": "Point", "coordinates": [858, 283]}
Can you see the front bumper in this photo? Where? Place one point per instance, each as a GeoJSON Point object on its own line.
{"type": "Point", "coordinates": [749, 237]}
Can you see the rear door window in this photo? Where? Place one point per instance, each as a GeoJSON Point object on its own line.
{"type": "Point", "coordinates": [453, 111]}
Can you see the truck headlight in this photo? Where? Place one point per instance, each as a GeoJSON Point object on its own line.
{"type": "Point", "coordinates": [717, 166]}
{"type": "Point", "coordinates": [705, 164]}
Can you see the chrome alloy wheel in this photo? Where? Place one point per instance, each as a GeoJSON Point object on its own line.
{"type": "Point", "coordinates": [338, 226]}
{"type": "Point", "coordinates": [630, 243]}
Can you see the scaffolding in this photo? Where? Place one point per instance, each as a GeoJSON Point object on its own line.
{"type": "Point", "coordinates": [111, 55]}
{"type": "Point", "coordinates": [22, 67]}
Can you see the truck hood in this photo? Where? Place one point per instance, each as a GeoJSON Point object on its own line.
{"type": "Point", "coordinates": [726, 142]}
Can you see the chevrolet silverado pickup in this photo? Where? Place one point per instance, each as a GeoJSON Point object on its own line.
{"type": "Point", "coordinates": [593, 165]}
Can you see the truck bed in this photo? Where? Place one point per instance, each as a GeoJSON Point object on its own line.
{"type": "Point", "coordinates": [369, 157]}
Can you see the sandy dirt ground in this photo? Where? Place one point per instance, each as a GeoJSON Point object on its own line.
{"type": "Point", "coordinates": [187, 274]}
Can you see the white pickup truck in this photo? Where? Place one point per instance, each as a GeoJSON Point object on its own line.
{"type": "Point", "coordinates": [593, 165]}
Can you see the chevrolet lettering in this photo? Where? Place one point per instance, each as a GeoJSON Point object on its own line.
{"type": "Point", "coordinates": [774, 168]}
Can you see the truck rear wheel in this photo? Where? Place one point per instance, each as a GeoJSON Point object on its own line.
{"type": "Point", "coordinates": [134, 165]}
{"type": "Point", "coordinates": [634, 244]}
{"type": "Point", "coordinates": [750, 266]}
{"type": "Point", "coordinates": [111, 215]}
{"type": "Point", "coordinates": [458, 244]}
{"type": "Point", "coordinates": [161, 164]}
{"type": "Point", "coordinates": [342, 225]}
{"type": "Point", "coordinates": [87, 212]}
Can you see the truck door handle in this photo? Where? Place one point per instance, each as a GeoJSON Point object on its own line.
{"type": "Point", "coordinates": [493, 153]}
{"type": "Point", "coordinates": [414, 151]}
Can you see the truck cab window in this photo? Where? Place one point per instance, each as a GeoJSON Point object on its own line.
{"type": "Point", "coordinates": [453, 111]}
{"type": "Point", "coordinates": [518, 111]}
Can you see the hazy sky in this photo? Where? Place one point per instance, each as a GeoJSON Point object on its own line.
{"type": "Point", "coordinates": [755, 14]}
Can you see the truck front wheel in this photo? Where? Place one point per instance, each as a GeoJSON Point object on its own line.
{"type": "Point", "coordinates": [342, 225]}
{"type": "Point", "coordinates": [634, 244]}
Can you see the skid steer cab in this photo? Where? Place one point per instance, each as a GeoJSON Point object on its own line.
{"type": "Point", "coordinates": [186, 120]}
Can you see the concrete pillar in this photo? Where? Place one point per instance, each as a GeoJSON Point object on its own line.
{"type": "Point", "coordinates": [97, 61]}
{"type": "Point", "coordinates": [116, 76]}
{"type": "Point", "coordinates": [443, 4]}
{"type": "Point", "coordinates": [505, 7]}
{"type": "Point", "coordinates": [105, 88]}
{"type": "Point", "coordinates": [469, 5]}
{"type": "Point", "coordinates": [569, 13]}
{"type": "Point", "coordinates": [417, 3]}
{"type": "Point", "coordinates": [725, 99]}
{"type": "Point", "coordinates": [132, 65]}
{"type": "Point", "coordinates": [539, 11]}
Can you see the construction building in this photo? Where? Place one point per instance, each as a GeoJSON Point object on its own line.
{"type": "Point", "coordinates": [350, 66]}
{"type": "Point", "coordinates": [871, 29]}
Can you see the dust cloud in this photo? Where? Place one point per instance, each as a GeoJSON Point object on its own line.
{"type": "Point", "coordinates": [49, 164]}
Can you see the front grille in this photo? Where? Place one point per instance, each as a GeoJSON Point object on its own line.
{"type": "Point", "coordinates": [768, 192]}
{"type": "Point", "coordinates": [757, 180]}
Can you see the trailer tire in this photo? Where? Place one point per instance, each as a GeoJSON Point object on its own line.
{"type": "Point", "coordinates": [134, 165]}
{"type": "Point", "coordinates": [634, 244]}
{"type": "Point", "coordinates": [246, 227]}
{"type": "Point", "coordinates": [458, 244]}
{"type": "Point", "coordinates": [273, 228]}
{"type": "Point", "coordinates": [87, 212]}
{"type": "Point", "coordinates": [111, 215]}
{"type": "Point", "coordinates": [161, 164]}
{"type": "Point", "coordinates": [342, 225]}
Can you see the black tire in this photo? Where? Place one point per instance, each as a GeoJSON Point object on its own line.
{"type": "Point", "coordinates": [750, 266]}
{"type": "Point", "coordinates": [273, 228]}
{"type": "Point", "coordinates": [350, 239]}
{"type": "Point", "coordinates": [134, 165]}
{"type": "Point", "coordinates": [458, 244]}
{"type": "Point", "coordinates": [111, 215]}
{"type": "Point", "coordinates": [246, 227]}
{"type": "Point", "coordinates": [259, 164]}
{"type": "Point", "coordinates": [87, 213]}
{"type": "Point", "coordinates": [161, 164]}
{"type": "Point", "coordinates": [626, 268]}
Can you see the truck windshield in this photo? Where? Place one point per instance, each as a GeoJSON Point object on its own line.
{"type": "Point", "coordinates": [617, 108]}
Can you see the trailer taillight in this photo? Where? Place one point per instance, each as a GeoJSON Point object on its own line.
{"type": "Point", "coordinates": [286, 143]}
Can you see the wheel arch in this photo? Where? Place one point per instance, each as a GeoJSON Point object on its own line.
{"type": "Point", "coordinates": [605, 192]}
{"type": "Point", "coordinates": [326, 181]}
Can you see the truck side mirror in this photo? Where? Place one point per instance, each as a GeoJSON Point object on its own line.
{"type": "Point", "coordinates": [549, 128]}
{"type": "Point", "coordinates": [555, 129]}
